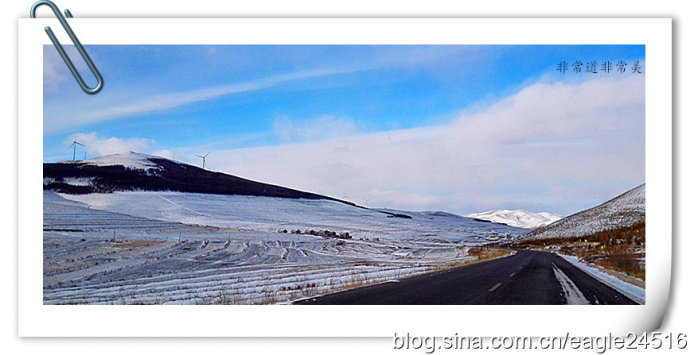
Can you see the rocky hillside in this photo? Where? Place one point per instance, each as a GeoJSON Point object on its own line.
{"type": "Point", "coordinates": [622, 211]}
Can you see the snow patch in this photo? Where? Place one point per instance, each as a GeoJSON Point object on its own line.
{"type": "Point", "coordinates": [572, 294]}
{"type": "Point", "coordinates": [517, 218]}
{"type": "Point", "coordinates": [131, 160]}
{"type": "Point", "coordinates": [268, 214]}
{"type": "Point", "coordinates": [635, 293]}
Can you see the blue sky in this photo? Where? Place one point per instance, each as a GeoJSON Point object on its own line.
{"type": "Point", "coordinates": [245, 101]}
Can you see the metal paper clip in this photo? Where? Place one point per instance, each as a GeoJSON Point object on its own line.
{"type": "Point", "coordinates": [77, 44]}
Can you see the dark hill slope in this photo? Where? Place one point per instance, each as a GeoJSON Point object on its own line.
{"type": "Point", "coordinates": [134, 171]}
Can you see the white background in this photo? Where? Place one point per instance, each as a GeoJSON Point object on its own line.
{"type": "Point", "coordinates": [675, 321]}
{"type": "Point", "coordinates": [39, 320]}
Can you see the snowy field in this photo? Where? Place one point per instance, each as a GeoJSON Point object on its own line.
{"type": "Point", "coordinates": [267, 214]}
{"type": "Point", "coordinates": [172, 248]}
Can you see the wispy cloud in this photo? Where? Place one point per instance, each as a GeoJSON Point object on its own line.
{"type": "Point", "coordinates": [127, 98]}
{"type": "Point", "coordinates": [534, 150]}
{"type": "Point", "coordinates": [522, 139]}
{"type": "Point", "coordinates": [94, 144]}
{"type": "Point", "coordinates": [320, 128]}
{"type": "Point", "coordinates": [53, 75]}
{"type": "Point", "coordinates": [552, 146]}
{"type": "Point", "coordinates": [165, 154]}
{"type": "Point", "coordinates": [142, 105]}
{"type": "Point", "coordinates": [56, 72]}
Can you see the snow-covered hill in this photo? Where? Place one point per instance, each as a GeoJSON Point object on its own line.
{"type": "Point", "coordinates": [141, 172]}
{"type": "Point", "coordinates": [131, 160]}
{"type": "Point", "coordinates": [161, 189]}
{"type": "Point", "coordinates": [140, 229]}
{"type": "Point", "coordinates": [622, 211]}
{"type": "Point", "coordinates": [517, 218]}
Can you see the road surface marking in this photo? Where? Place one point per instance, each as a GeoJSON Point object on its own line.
{"type": "Point", "coordinates": [495, 287]}
{"type": "Point", "coordinates": [511, 275]}
{"type": "Point", "coordinates": [570, 291]}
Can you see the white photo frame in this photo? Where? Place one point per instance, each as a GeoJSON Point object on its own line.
{"type": "Point", "coordinates": [38, 320]}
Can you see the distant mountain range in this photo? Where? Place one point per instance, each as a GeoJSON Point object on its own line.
{"type": "Point", "coordinates": [517, 218]}
{"type": "Point", "coordinates": [141, 172]}
{"type": "Point", "coordinates": [622, 211]}
{"type": "Point", "coordinates": [136, 171]}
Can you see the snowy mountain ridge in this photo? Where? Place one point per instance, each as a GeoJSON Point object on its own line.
{"type": "Point", "coordinates": [517, 218]}
{"type": "Point", "coordinates": [142, 172]}
{"type": "Point", "coordinates": [621, 211]}
{"type": "Point", "coordinates": [131, 160]}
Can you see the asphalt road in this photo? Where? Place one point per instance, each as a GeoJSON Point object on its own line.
{"type": "Point", "coordinates": [527, 277]}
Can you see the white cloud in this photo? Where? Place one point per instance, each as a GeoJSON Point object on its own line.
{"type": "Point", "coordinates": [318, 129]}
{"type": "Point", "coordinates": [55, 71]}
{"type": "Point", "coordinates": [53, 75]}
{"type": "Point", "coordinates": [165, 154]}
{"type": "Point", "coordinates": [112, 145]}
{"type": "Point", "coordinates": [398, 199]}
{"type": "Point", "coordinates": [533, 150]}
{"type": "Point", "coordinates": [110, 105]}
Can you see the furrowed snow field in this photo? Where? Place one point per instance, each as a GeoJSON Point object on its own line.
{"type": "Point", "coordinates": [185, 248]}
{"type": "Point", "coordinates": [268, 214]}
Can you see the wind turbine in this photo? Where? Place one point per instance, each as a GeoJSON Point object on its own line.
{"type": "Point", "coordinates": [74, 150]}
{"type": "Point", "coordinates": [203, 160]}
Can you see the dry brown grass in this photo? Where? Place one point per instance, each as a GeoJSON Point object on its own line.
{"type": "Point", "coordinates": [620, 250]}
{"type": "Point", "coordinates": [624, 277]}
{"type": "Point", "coordinates": [130, 244]}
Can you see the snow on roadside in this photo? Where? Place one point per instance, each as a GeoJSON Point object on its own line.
{"type": "Point", "coordinates": [636, 293]}
{"type": "Point", "coordinates": [572, 294]}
